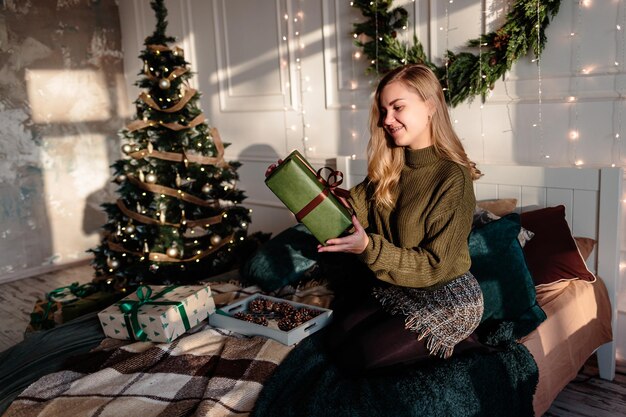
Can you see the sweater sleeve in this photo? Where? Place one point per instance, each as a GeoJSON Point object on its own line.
{"type": "Point", "coordinates": [358, 201]}
{"type": "Point", "coordinates": [443, 253]}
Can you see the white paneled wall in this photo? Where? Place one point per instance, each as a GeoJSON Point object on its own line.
{"type": "Point", "coordinates": [268, 81]}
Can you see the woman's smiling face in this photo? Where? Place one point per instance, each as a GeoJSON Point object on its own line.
{"type": "Point", "coordinates": [405, 116]}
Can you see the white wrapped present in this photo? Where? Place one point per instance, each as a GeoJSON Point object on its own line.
{"type": "Point", "coordinates": [157, 313]}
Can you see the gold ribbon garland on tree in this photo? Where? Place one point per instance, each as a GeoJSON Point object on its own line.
{"type": "Point", "coordinates": [464, 75]}
{"type": "Point", "coordinates": [206, 222]}
{"type": "Point", "coordinates": [142, 124]}
{"type": "Point", "coordinates": [188, 157]}
{"type": "Point", "coordinates": [145, 97]}
{"type": "Point", "coordinates": [160, 189]}
{"type": "Point", "coordinates": [176, 73]}
{"type": "Point", "coordinates": [164, 48]}
{"type": "Point", "coordinates": [162, 257]}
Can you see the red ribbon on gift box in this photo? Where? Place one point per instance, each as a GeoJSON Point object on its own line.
{"type": "Point", "coordinates": [331, 186]}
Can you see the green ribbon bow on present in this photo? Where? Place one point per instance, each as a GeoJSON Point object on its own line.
{"type": "Point", "coordinates": [130, 308]}
{"type": "Point", "coordinates": [78, 291]}
{"type": "Point", "coordinates": [39, 320]}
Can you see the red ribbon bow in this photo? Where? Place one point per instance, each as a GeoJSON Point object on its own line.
{"type": "Point", "coordinates": [331, 186]}
{"type": "Point", "coordinates": [272, 167]}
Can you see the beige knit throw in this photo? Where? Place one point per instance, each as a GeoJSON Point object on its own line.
{"type": "Point", "coordinates": [444, 316]}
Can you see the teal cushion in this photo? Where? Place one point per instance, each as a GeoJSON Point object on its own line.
{"type": "Point", "coordinates": [283, 260]}
{"type": "Point", "coordinates": [499, 266]}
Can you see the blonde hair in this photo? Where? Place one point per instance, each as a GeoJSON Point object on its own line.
{"type": "Point", "coordinates": [385, 159]}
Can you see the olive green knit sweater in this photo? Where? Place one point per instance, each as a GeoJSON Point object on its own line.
{"type": "Point", "coordinates": [422, 242]}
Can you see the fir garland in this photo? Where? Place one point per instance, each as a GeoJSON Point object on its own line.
{"type": "Point", "coordinates": [463, 75]}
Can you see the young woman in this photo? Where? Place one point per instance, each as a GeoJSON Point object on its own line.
{"type": "Point", "coordinates": [413, 215]}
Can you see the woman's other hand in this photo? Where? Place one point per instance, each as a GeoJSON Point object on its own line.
{"type": "Point", "coordinates": [354, 243]}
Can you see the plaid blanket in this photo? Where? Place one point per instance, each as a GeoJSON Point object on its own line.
{"type": "Point", "coordinates": [206, 372]}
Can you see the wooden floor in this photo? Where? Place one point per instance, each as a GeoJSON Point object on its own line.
{"type": "Point", "coordinates": [586, 396]}
{"type": "Point", "coordinates": [590, 396]}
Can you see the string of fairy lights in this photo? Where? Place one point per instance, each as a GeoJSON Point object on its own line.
{"type": "Point", "coordinates": [294, 25]}
{"type": "Point", "coordinates": [580, 71]}
{"type": "Point", "coordinates": [620, 88]}
{"type": "Point", "coordinates": [446, 29]}
{"type": "Point", "coordinates": [446, 89]}
{"type": "Point", "coordinates": [354, 85]}
{"type": "Point", "coordinates": [303, 80]}
{"type": "Point", "coordinates": [505, 84]}
{"type": "Point", "coordinates": [481, 77]}
{"type": "Point", "coordinates": [576, 35]}
{"type": "Point", "coordinates": [620, 60]}
{"type": "Point", "coordinates": [537, 59]}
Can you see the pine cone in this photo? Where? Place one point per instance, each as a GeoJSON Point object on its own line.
{"type": "Point", "coordinates": [257, 305]}
{"type": "Point", "coordinates": [285, 324]}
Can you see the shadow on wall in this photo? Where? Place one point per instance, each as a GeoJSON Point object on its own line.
{"type": "Point", "coordinates": [94, 217]}
{"type": "Point", "coordinates": [269, 215]}
{"type": "Point", "coordinates": [63, 101]}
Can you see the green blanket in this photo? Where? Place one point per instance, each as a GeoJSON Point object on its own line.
{"type": "Point", "coordinates": [497, 383]}
{"type": "Point", "coordinates": [44, 352]}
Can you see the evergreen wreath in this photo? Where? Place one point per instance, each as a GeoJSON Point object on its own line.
{"type": "Point", "coordinates": [463, 75]}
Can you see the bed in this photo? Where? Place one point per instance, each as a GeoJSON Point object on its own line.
{"type": "Point", "coordinates": [215, 372]}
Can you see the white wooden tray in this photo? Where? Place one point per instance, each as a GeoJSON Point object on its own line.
{"type": "Point", "coordinates": [223, 318]}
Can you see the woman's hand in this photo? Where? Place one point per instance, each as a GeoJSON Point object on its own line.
{"type": "Point", "coordinates": [354, 243]}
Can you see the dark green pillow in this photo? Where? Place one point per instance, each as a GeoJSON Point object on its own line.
{"type": "Point", "coordinates": [284, 259]}
{"type": "Point", "coordinates": [499, 266]}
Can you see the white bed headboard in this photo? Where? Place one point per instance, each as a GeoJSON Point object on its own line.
{"type": "Point", "coordinates": [591, 196]}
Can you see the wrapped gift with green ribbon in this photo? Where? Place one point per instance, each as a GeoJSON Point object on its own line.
{"type": "Point", "coordinates": [157, 313]}
{"type": "Point", "coordinates": [45, 315]}
{"type": "Point", "coordinates": [66, 303]}
{"type": "Point", "coordinates": [313, 196]}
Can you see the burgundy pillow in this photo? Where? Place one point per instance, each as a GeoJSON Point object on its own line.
{"type": "Point", "coordinates": [552, 254]}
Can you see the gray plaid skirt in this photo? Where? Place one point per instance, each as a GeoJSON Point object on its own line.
{"type": "Point", "coordinates": [444, 316]}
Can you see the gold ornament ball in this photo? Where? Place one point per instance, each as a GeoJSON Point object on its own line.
{"type": "Point", "coordinates": [130, 229]}
{"type": "Point", "coordinates": [126, 148]}
{"type": "Point", "coordinates": [173, 252]}
{"type": "Point", "coordinates": [113, 263]}
{"type": "Point", "coordinates": [151, 178]}
{"type": "Point", "coordinates": [216, 239]}
{"type": "Point", "coordinates": [164, 84]}
{"type": "Point", "coordinates": [206, 188]}
{"type": "Point", "coordinates": [121, 178]}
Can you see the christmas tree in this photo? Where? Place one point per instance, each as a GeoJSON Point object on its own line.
{"type": "Point", "coordinates": [177, 218]}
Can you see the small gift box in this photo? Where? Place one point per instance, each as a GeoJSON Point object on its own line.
{"type": "Point", "coordinates": [157, 313]}
{"type": "Point", "coordinates": [67, 303]}
{"type": "Point", "coordinates": [45, 315]}
{"type": "Point", "coordinates": [92, 302]}
{"type": "Point", "coordinates": [317, 202]}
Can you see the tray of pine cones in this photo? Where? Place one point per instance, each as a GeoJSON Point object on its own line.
{"type": "Point", "coordinates": [287, 322]}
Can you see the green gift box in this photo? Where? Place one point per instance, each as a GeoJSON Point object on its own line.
{"type": "Point", "coordinates": [317, 202]}
{"type": "Point", "coordinates": [67, 303]}
{"type": "Point", "coordinates": [157, 313]}
{"type": "Point", "coordinates": [93, 302]}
